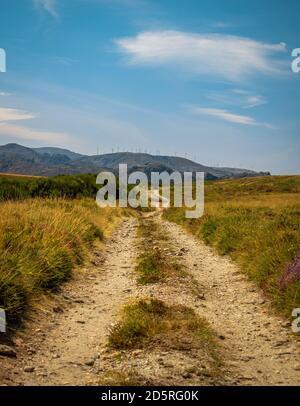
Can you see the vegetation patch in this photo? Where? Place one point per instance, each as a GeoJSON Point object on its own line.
{"type": "Point", "coordinates": [151, 322]}
{"type": "Point", "coordinates": [42, 241]}
{"type": "Point", "coordinates": [256, 222]}
{"type": "Point", "coordinates": [61, 186]}
{"type": "Point", "coordinates": [153, 264]}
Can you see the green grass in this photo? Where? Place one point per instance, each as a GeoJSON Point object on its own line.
{"type": "Point", "coordinates": [153, 264]}
{"type": "Point", "coordinates": [149, 268]}
{"type": "Point", "coordinates": [152, 322]}
{"type": "Point", "coordinates": [256, 222]}
{"type": "Point", "coordinates": [264, 185]}
{"type": "Point", "coordinates": [152, 326]}
{"type": "Point", "coordinates": [41, 243]}
{"type": "Point", "coordinates": [65, 186]}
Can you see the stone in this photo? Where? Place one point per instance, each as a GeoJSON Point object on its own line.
{"type": "Point", "coordinates": [7, 351]}
{"type": "Point", "coordinates": [58, 309]}
{"type": "Point", "coordinates": [187, 375]}
{"type": "Point", "coordinates": [29, 369]}
{"type": "Point", "coordinates": [90, 362]}
{"type": "Point", "coordinates": [136, 353]}
{"type": "Point", "coordinates": [80, 301]}
{"type": "Point", "coordinates": [247, 358]}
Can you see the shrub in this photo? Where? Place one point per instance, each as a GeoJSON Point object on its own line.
{"type": "Point", "coordinates": [41, 242]}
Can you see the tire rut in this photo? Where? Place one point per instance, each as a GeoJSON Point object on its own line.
{"type": "Point", "coordinates": [69, 350]}
{"type": "Point", "coordinates": [260, 347]}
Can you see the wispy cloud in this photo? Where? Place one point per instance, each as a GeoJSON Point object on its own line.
{"type": "Point", "coordinates": [225, 56]}
{"type": "Point", "coordinates": [237, 97]}
{"type": "Point", "coordinates": [21, 132]}
{"type": "Point", "coordinates": [47, 5]}
{"type": "Point", "coordinates": [226, 116]}
{"type": "Point", "coordinates": [7, 114]}
{"type": "Point", "coordinates": [26, 133]}
{"type": "Point", "coordinates": [249, 99]}
{"type": "Point", "coordinates": [63, 60]}
{"type": "Point", "coordinates": [222, 24]}
{"type": "Point", "coordinates": [254, 101]}
{"type": "Point", "coordinates": [4, 94]}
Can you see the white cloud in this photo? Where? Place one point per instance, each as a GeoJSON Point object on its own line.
{"type": "Point", "coordinates": [222, 24]}
{"type": "Point", "coordinates": [3, 94]}
{"type": "Point", "coordinates": [14, 115]}
{"type": "Point", "coordinates": [26, 133]}
{"type": "Point", "coordinates": [237, 97]}
{"type": "Point", "coordinates": [254, 101]}
{"type": "Point", "coordinates": [226, 116]}
{"type": "Point", "coordinates": [249, 100]}
{"type": "Point", "coordinates": [225, 56]}
{"type": "Point", "coordinates": [21, 132]}
{"type": "Point", "coordinates": [47, 5]}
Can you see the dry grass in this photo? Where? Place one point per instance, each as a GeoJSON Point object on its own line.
{"type": "Point", "coordinates": [153, 264]}
{"type": "Point", "coordinates": [151, 322]}
{"type": "Point", "coordinates": [42, 241]}
{"type": "Point", "coordinates": [233, 189]}
{"type": "Point", "coordinates": [257, 222]}
{"type": "Point", "coordinates": [16, 175]}
{"type": "Point", "coordinates": [151, 333]}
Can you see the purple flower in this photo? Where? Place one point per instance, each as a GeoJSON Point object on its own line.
{"type": "Point", "coordinates": [291, 274]}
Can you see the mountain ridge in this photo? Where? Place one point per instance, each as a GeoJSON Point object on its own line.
{"type": "Point", "coordinates": [50, 161]}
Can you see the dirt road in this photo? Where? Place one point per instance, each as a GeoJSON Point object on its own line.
{"type": "Point", "coordinates": [64, 346]}
{"type": "Point", "coordinates": [259, 346]}
{"type": "Point", "coordinates": [66, 342]}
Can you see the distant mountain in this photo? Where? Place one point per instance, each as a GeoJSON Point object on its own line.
{"type": "Point", "coordinates": [15, 158]}
{"type": "Point", "coordinates": [147, 163]}
{"type": "Point", "coordinates": [49, 161]}
{"type": "Point", "coordinates": [57, 151]}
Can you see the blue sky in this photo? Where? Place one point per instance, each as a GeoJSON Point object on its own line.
{"type": "Point", "coordinates": [210, 80]}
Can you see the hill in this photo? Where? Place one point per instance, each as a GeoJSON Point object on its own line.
{"type": "Point", "coordinates": [57, 151]}
{"type": "Point", "coordinates": [49, 161]}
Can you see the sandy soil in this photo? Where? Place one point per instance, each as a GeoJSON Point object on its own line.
{"type": "Point", "coordinates": [260, 346]}
{"type": "Point", "coordinates": [65, 341]}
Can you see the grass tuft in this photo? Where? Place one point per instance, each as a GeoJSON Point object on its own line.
{"type": "Point", "coordinates": [41, 242]}
{"type": "Point", "coordinates": [153, 264]}
{"type": "Point", "coordinates": [152, 322]}
{"type": "Point", "coordinates": [256, 222]}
